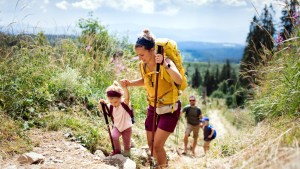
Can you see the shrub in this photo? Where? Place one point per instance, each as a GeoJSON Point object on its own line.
{"type": "Point", "coordinates": [218, 94]}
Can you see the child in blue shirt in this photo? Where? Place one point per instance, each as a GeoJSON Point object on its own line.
{"type": "Point", "coordinates": [209, 133]}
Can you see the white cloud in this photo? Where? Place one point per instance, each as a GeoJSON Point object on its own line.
{"type": "Point", "coordinates": [169, 11]}
{"type": "Point", "coordinates": [200, 2]}
{"type": "Point", "coordinates": [43, 8]}
{"type": "Point", "coordinates": [62, 5]}
{"type": "Point", "coordinates": [88, 4]}
{"type": "Point", "coordinates": [234, 2]}
{"type": "Point", "coordinates": [143, 6]}
{"type": "Point", "coordinates": [257, 5]}
{"type": "Point", "coordinates": [46, 1]}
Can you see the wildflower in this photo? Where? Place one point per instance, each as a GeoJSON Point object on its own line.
{"type": "Point", "coordinates": [88, 48]}
{"type": "Point", "coordinates": [120, 68]}
{"type": "Point", "coordinates": [295, 15]}
{"type": "Point", "coordinates": [279, 39]}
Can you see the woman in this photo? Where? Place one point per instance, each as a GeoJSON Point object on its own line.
{"type": "Point", "coordinates": [167, 94]}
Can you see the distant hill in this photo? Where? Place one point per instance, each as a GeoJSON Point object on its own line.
{"type": "Point", "coordinates": [213, 52]}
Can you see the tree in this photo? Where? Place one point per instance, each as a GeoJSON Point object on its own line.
{"type": "Point", "coordinates": [226, 71]}
{"type": "Point", "coordinates": [259, 40]}
{"type": "Point", "coordinates": [288, 19]}
{"type": "Point", "coordinates": [95, 37]}
{"type": "Point", "coordinates": [196, 79]}
{"type": "Point", "coordinates": [217, 76]}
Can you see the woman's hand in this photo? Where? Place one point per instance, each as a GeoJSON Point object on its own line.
{"type": "Point", "coordinates": [159, 58]}
{"type": "Point", "coordinates": [125, 82]}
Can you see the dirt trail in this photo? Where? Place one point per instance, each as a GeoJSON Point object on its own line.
{"type": "Point", "coordinates": [222, 126]}
{"type": "Point", "coordinates": [58, 153]}
{"type": "Point", "coordinates": [189, 161]}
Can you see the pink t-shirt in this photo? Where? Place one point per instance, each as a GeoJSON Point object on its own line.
{"type": "Point", "coordinates": [122, 119]}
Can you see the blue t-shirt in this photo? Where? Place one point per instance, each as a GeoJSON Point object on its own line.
{"type": "Point", "coordinates": [207, 131]}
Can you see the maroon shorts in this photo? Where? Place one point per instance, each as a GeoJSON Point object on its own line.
{"type": "Point", "coordinates": [166, 122]}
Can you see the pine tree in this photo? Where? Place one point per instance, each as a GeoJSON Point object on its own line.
{"type": "Point", "coordinates": [259, 39]}
{"type": "Point", "coordinates": [226, 71]}
{"type": "Point", "coordinates": [196, 79]}
{"type": "Point", "coordinates": [289, 16]}
{"type": "Point", "coordinates": [217, 76]}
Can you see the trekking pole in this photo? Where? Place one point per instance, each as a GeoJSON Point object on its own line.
{"type": "Point", "coordinates": [159, 51]}
{"type": "Point", "coordinates": [105, 112]}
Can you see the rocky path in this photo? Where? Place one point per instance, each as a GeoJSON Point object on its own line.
{"type": "Point", "coordinates": [59, 153]}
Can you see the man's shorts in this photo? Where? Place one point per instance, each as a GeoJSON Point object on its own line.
{"type": "Point", "coordinates": [166, 122]}
{"type": "Point", "coordinates": [190, 128]}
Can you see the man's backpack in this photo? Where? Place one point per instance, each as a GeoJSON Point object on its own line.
{"type": "Point", "coordinates": [171, 51]}
{"type": "Point", "coordinates": [129, 111]}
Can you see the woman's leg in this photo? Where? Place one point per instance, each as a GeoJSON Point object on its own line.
{"type": "Point", "coordinates": [115, 136]}
{"type": "Point", "coordinates": [159, 141]}
{"type": "Point", "coordinates": [149, 140]}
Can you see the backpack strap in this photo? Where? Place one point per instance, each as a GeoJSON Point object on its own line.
{"type": "Point", "coordinates": [129, 111]}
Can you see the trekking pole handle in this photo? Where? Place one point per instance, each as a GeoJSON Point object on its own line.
{"type": "Point", "coordinates": [160, 50]}
{"type": "Point", "coordinates": [104, 109]}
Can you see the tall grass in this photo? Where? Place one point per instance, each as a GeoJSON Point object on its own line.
{"type": "Point", "coordinates": [279, 91]}
{"type": "Point", "coordinates": [57, 86]}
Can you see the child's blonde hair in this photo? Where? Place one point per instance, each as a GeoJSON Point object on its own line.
{"type": "Point", "coordinates": [115, 87]}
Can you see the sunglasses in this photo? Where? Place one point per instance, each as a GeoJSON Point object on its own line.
{"type": "Point", "coordinates": [192, 100]}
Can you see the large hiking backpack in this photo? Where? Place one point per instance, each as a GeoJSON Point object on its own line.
{"type": "Point", "coordinates": [171, 51]}
{"type": "Point", "coordinates": [129, 111]}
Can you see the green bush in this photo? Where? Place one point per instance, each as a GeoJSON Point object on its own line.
{"type": "Point", "coordinates": [218, 94]}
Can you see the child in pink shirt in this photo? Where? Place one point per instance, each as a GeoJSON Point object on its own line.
{"type": "Point", "coordinates": [120, 116]}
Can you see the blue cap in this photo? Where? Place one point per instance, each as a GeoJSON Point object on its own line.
{"type": "Point", "coordinates": [205, 119]}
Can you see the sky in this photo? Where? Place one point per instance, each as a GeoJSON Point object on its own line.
{"type": "Point", "coordinates": [222, 21]}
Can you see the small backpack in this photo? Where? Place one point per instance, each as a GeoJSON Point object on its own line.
{"type": "Point", "coordinates": [129, 111]}
{"type": "Point", "coordinates": [171, 51]}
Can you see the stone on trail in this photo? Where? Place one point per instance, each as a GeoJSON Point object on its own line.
{"type": "Point", "coordinates": [31, 158]}
{"type": "Point", "coordinates": [120, 161]}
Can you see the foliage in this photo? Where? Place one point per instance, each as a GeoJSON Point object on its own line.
{"type": "Point", "coordinates": [289, 18]}
{"type": "Point", "coordinates": [278, 93]}
{"type": "Point", "coordinates": [196, 79]}
{"type": "Point", "coordinates": [212, 77]}
{"type": "Point", "coordinates": [39, 80]}
{"type": "Point", "coordinates": [12, 137]}
{"type": "Point", "coordinates": [259, 40]}
{"type": "Point", "coordinates": [217, 94]}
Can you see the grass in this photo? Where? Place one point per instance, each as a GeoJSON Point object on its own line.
{"type": "Point", "coordinates": [12, 138]}
{"type": "Point", "coordinates": [278, 93]}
